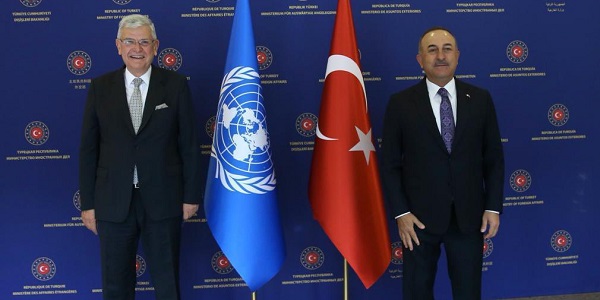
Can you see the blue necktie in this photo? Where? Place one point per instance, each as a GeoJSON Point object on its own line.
{"type": "Point", "coordinates": [446, 120]}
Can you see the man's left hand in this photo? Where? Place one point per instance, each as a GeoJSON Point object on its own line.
{"type": "Point", "coordinates": [189, 210]}
{"type": "Point", "coordinates": [490, 222]}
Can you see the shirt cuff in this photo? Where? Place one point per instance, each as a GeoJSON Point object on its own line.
{"type": "Point", "coordinates": [402, 215]}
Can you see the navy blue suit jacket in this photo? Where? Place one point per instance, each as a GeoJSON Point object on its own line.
{"type": "Point", "coordinates": [420, 176]}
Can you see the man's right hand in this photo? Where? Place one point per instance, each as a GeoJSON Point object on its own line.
{"type": "Point", "coordinates": [89, 220]}
{"type": "Point", "coordinates": [406, 228]}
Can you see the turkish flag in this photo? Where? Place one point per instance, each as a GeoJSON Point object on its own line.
{"type": "Point", "coordinates": [344, 188]}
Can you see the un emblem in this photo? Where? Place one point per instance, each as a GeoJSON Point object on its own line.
{"type": "Point", "coordinates": [241, 143]}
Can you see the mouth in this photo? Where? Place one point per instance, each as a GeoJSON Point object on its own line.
{"type": "Point", "coordinates": [134, 56]}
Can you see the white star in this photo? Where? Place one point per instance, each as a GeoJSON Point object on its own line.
{"type": "Point", "coordinates": [365, 144]}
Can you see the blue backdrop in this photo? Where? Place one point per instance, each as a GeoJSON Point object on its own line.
{"type": "Point", "coordinates": [527, 53]}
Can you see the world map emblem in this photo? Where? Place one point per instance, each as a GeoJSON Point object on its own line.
{"type": "Point", "coordinates": [170, 59]}
{"type": "Point", "coordinates": [37, 133]}
{"type": "Point", "coordinates": [241, 144]}
{"type": "Point", "coordinates": [517, 51]}
{"type": "Point", "coordinates": [520, 180]}
{"type": "Point", "coordinates": [397, 253]}
{"type": "Point", "coordinates": [79, 62]}
{"type": "Point", "coordinates": [43, 269]}
{"type": "Point", "coordinates": [121, 2]}
{"type": "Point", "coordinates": [561, 241]}
{"type": "Point", "coordinates": [140, 265]}
{"type": "Point", "coordinates": [220, 263]}
{"type": "Point", "coordinates": [488, 247]}
{"type": "Point", "coordinates": [558, 115]}
{"type": "Point", "coordinates": [306, 124]}
{"type": "Point", "coordinates": [264, 57]}
{"type": "Point", "coordinates": [77, 200]}
{"type": "Point", "coordinates": [312, 258]}
{"type": "Point", "coordinates": [31, 3]}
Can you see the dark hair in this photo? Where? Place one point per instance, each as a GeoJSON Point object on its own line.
{"type": "Point", "coordinates": [434, 29]}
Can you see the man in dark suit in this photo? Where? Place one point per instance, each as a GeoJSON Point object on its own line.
{"type": "Point", "coordinates": [139, 164]}
{"type": "Point", "coordinates": [444, 183]}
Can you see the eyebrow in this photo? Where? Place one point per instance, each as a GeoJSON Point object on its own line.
{"type": "Point", "coordinates": [444, 45]}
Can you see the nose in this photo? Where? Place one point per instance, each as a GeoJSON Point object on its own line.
{"type": "Point", "coordinates": [440, 55]}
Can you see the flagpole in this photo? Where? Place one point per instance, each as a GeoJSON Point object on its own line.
{"type": "Point", "coordinates": [345, 279]}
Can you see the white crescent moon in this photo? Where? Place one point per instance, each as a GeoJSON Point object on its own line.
{"type": "Point", "coordinates": [338, 62]}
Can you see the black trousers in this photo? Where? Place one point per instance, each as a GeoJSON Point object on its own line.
{"type": "Point", "coordinates": [118, 249]}
{"type": "Point", "coordinates": [464, 253]}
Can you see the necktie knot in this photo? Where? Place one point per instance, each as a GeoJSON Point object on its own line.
{"type": "Point", "coordinates": [443, 92]}
{"type": "Point", "coordinates": [137, 82]}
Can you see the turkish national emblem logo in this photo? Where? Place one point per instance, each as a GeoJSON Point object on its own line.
{"type": "Point", "coordinates": [306, 124]}
{"type": "Point", "coordinates": [488, 248]}
{"type": "Point", "coordinates": [397, 253]}
{"type": "Point", "coordinates": [140, 265]}
{"type": "Point", "coordinates": [43, 269]}
{"type": "Point", "coordinates": [520, 180]}
{"type": "Point", "coordinates": [264, 57]}
{"type": "Point", "coordinates": [312, 258]}
{"type": "Point", "coordinates": [79, 62]}
{"type": "Point", "coordinates": [558, 115]}
{"type": "Point", "coordinates": [37, 133]}
{"type": "Point", "coordinates": [170, 59]}
{"type": "Point", "coordinates": [220, 263]}
{"type": "Point", "coordinates": [241, 144]}
{"type": "Point", "coordinates": [561, 241]}
{"type": "Point", "coordinates": [517, 51]}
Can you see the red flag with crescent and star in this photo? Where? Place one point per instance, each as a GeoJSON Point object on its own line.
{"type": "Point", "coordinates": [344, 187]}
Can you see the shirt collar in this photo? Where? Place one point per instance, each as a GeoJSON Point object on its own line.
{"type": "Point", "coordinates": [433, 88]}
{"type": "Point", "coordinates": [130, 77]}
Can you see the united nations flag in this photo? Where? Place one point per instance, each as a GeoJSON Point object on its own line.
{"type": "Point", "coordinates": [240, 203]}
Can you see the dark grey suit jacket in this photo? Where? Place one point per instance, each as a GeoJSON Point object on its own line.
{"type": "Point", "coordinates": [420, 176]}
{"type": "Point", "coordinates": [165, 150]}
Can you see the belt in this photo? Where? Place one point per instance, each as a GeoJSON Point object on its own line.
{"type": "Point", "coordinates": [136, 185]}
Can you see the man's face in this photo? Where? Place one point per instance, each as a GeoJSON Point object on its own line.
{"type": "Point", "coordinates": [136, 57]}
{"type": "Point", "coordinates": [438, 56]}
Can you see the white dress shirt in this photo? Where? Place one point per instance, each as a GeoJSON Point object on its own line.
{"type": "Point", "coordinates": [129, 86]}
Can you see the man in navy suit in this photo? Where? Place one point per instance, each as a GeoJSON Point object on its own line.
{"type": "Point", "coordinates": [442, 171]}
{"type": "Point", "coordinates": [139, 179]}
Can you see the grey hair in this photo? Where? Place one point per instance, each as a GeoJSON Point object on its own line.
{"type": "Point", "coordinates": [135, 21]}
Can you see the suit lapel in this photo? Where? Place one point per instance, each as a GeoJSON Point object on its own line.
{"type": "Point", "coordinates": [119, 96]}
{"type": "Point", "coordinates": [423, 104]}
{"type": "Point", "coordinates": [155, 96]}
{"type": "Point", "coordinates": [463, 110]}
